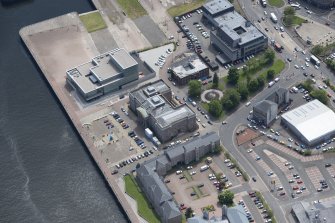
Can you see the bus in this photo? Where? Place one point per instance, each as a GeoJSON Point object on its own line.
{"type": "Point", "coordinates": [315, 60]}
{"type": "Point", "coordinates": [273, 17]}
{"type": "Point", "coordinates": [278, 47]}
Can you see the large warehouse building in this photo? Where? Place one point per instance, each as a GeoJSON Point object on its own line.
{"type": "Point", "coordinates": [152, 105]}
{"type": "Point", "coordinates": [313, 122]}
{"type": "Point", "coordinates": [105, 73]}
{"type": "Point", "coordinates": [234, 36]}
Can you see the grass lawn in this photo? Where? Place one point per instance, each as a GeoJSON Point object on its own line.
{"type": "Point", "coordinates": [187, 176]}
{"type": "Point", "coordinates": [276, 3]}
{"type": "Point", "coordinates": [297, 20]}
{"type": "Point", "coordinates": [143, 207]}
{"type": "Point", "coordinates": [132, 8]}
{"type": "Point", "coordinates": [93, 21]}
{"type": "Point", "coordinates": [183, 8]}
{"type": "Point", "coordinates": [277, 66]}
{"type": "Point", "coordinates": [197, 191]}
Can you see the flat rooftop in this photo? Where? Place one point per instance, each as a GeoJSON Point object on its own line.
{"type": "Point", "coordinates": [188, 66]}
{"type": "Point", "coordinates": [217, 6]}
{"type": "Point", "coordinates": [237, 27]}
{"type": "Point", "coordinates": [312, 119]}
{"type": "Point", "coordinates": [103, 69]}
{"type": "Point", "coordinates": [156, 105]}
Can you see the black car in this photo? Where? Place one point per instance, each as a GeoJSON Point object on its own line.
{"type": "Point", "coordinates": [209, 122]}
{"type": "Point", "coordinates": [328, 165]}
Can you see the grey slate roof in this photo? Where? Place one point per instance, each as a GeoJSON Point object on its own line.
{"type": "Point", "coordinates": [264, 105]}
{"type": "Point", "coordinates": [154, 187]}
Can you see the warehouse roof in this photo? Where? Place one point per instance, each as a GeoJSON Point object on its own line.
{"type": "Point", "coordinates": [312, 120]}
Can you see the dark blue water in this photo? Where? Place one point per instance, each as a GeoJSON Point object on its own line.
{"type": "Point", "coordinates": [46, 173]}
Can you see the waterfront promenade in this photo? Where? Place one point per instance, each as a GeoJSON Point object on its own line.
{"type": "Point", "coordinates": [57, 45]}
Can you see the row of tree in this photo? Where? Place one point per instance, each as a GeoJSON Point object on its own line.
{"type": "Point", "coordinates": [319, 94]}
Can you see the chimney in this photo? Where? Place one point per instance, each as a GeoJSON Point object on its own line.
{"type": "Point", "coordinates": [224, 212]}
{"type": "Point", "coordinates": [205, 214]}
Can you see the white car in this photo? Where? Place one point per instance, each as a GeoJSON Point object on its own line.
{"type": "Point", "coordinates": [296, 66]}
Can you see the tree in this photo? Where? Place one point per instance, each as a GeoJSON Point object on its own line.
{"type": "Point", "coordinates": [270, 74]}
{"type": "Point", "coordinates": [321, 95]}
{"type": "Point", "coordinates": [243, 90]}
{"type": "Point", "coordinates": [188, 212]}
{"type": "Point", "coordinates": [261, 81]}
{"type": "Point", "coordinates": [233, 76]}
{"type": "Point", "coordinates": [215, 108]}
{"type": "Point", "coordinates": [308, 85]}
{"type": "Point", "coordinates": [215, 80]}
{"type": "Point", "coordinates": [194, 88]}
{"type": "Point", "coordinates": [226, 197]}
{"type": "Point", "coordinates": [253, 85]}
{"type": "Point", "coordinates": [230, 99]}
{"type": "Point", "coordinates": [269, 56]}
{"type": "Point", "coordinates": [289, 10]}
{"type": "Point", "coordinates": [288, 20]}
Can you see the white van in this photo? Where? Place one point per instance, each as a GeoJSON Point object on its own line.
{"type": "Point", "coordinates": [248, 103]}
{"type": "Point", "coordinates": [277, 79]}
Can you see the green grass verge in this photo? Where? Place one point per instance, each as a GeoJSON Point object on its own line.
{"type": "Point", "coordinates": [197, 191]}
{"type": "Point", "coordinates": [278, 66]}
{"type": "Point", "coordinates": [187, 176]}
{"type": "Point", "coordinates": [297, 20]}
{"type": "Point", "coordinates": [93, 21]}
{"type": "Point", "coordinates": [276, 3]}
{"type": "Point", "coordinates": [178, 10]}
{"type": "Point", "coordinates": [266, 206]}
{"type": "Point", "coordinates": [144, 210]}
{"type": "Point", "coordinates": [132, 8]}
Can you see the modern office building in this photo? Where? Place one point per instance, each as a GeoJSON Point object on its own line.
{"type": "Point", "coordinates": [324, 4]}
{"type": "Point", "coordinates": [150, 173]}
{"type": "Point", "coordinates": [152, 105]}
{"type": "Point", "coordinates": [316, 212]}
{"type": "Point", "coordinates": [105, 73]}
{"type": "Point", "coordinates": [312, 122]}
{"type": "Point", "coordinates": [189, 68]}
{"type": "Point", "coordinates": [265, 112]}
{"type": "Point", "coordinates": [281, 97]}
{"type": "Point", "coordinates": [233, 36]}
{"type": "Point", "coordinates": [229, 215]}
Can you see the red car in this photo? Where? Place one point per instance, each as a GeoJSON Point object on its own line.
{"type": "Point", "coordinates": [299, 182]}
{"type": "Point", "coordinates": [295, 188]}
{"type": "Point", "coordinates": [282, 194]}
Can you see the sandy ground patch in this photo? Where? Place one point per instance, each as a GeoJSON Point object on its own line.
{"type": "Point", "coordinates": [321, 34]}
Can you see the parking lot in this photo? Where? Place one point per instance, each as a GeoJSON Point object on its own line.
{"type": "Point", "coordinates": [191, 186]}
{"type": "Point", "coordinates": [272, 177]}
{"type": "Point", "coordinates": [290, 173]}
{"type": "Point", "coordinates": [317, 178]}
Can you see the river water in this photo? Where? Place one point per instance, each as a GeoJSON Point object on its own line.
{"type": "Point", "coordinates": [46, 173]}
